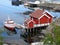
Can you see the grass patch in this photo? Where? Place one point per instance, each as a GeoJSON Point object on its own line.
{"type": "Point", "coordinates": [57, 35]}
{"type": "Point", "coordinates": [1, 43]}
{"type": "Point", "coordinates": [55, 38]}
{"type": "Point", "coordinates": [48, 39]}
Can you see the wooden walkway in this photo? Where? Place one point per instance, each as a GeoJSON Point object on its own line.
{"type": "Point", "coordinates": [20, 26]}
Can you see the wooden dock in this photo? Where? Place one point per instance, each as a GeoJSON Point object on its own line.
{"type": "Point", "coordinates": [20, 26]}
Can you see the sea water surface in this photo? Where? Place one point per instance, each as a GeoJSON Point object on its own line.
{"type": "Point", "coordinates": [14, 12]}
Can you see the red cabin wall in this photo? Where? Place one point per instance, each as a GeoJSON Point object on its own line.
{"type": "Point", "coordinates": [44, 20]}
{"type": "Point", "coordinates": [48, 15]}
{"type": "Point", "coordinates": [35, 20]}
{"type": "Point", "coordinates": [50, 20]}
{"type": "Point", "coordinates": [31, 25]}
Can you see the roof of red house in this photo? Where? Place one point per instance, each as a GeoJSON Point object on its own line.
{"type": "Point", "coordinates": [38, 13]}
{"type": "Point", "coordinates": [28, 20]}
{"type": "Point", "coordinates": [48, 14]}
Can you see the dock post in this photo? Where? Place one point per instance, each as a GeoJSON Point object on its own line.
{"type": "Point", "coordinates": [30, 32]}
{"type": "Point", "coordinates": [36, 30]}
{"type": "Point", "coordinates": [33, 31]}
{"type": "Point", "coordinates": [26, 32]}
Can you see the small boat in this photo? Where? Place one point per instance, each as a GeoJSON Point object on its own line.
{"type": "Point", "coordinates": [10, 25]}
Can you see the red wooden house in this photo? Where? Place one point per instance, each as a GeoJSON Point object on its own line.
{"type": "Point", "coordinates": [38, 18]}
{"type": "Point", "coordinates": [29, 23]}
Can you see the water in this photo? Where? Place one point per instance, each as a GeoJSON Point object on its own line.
{"type": "Point", "coordinates": [6, 9]}
{"type": "Point", "coordinates": [55, 14]}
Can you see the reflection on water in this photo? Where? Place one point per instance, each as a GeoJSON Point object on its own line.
{"type": "Point", "coordinates": [9, 33]}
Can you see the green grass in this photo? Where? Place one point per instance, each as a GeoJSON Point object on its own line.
{"type": "Point", "coordinates": [48, 38]}
{"type": "Point", "coordinates": [57, 34]}
{"type": "Point", "coordinates": [1, 43]}
{"type": "Point", "coordinates": [56, 38]}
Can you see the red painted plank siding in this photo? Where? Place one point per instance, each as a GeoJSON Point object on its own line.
{"type": "Point", "coordinates": [35, 20]}
{"type": "Point", "coordinates": [31, 25]}
{"type": "Point", "coordinates": [44, 20]}
{"type": "Point", "coordinates": [50, 20]}
{"type": "Point", "coordinates": [48, 14]}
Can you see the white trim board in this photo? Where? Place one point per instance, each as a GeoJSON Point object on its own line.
{"type": "Point", "coordinates": [44, 15]}
{"type": "Point", "coordinates": [37, 25]}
